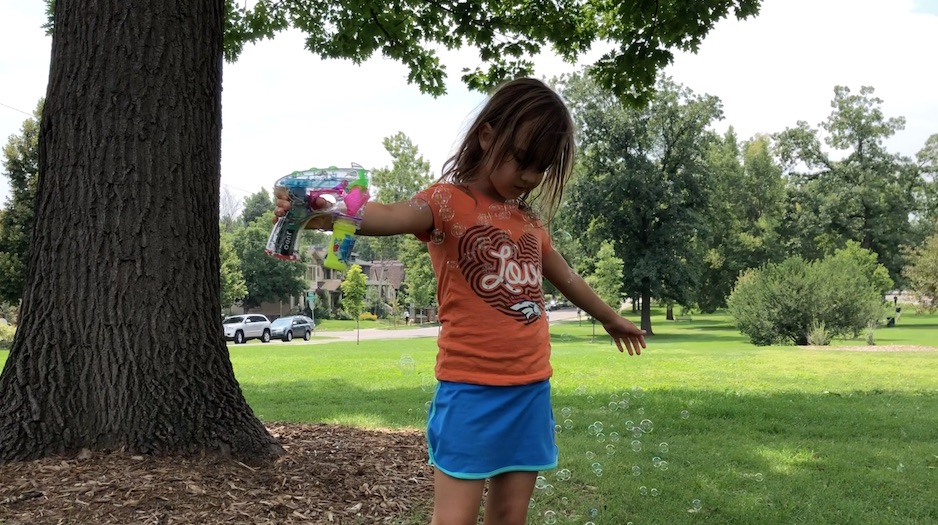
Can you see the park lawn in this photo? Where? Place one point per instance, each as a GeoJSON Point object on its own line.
{"type": "Point", "coordinates": [757, 435]}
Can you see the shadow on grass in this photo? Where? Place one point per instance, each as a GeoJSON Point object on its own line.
{"type": "Point", "coordinates": [785, 457]}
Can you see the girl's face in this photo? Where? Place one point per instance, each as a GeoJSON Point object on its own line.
{"type": "Point", "coordinates": [509, 178]}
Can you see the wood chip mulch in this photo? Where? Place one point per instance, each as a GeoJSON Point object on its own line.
{"type": "Point", "coordinates": [329, 474]}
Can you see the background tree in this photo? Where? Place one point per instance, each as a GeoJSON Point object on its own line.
{"type": "Point", "coordinates": [267, 279]}
{"type": "Point", "coordinates": [648, 185]}
{"type": "Point", "coordinates": [926, 220]}
{"type": "Point", "coordinates": [922, 273]}
{"type": "Point", "coordinates": [744, 215]}
{"type": "Point", "coordinates": [229, 210]}
{"type": "Point", "coordinates": [136, 221]}
{"type": "Point", "coordinates": [867, 196]}
{"type": "Point", "coordinates": [408, 174]}
{"type": "Point", "coordinates": [21, 167]}
{"type": "Point", "coordinates": [354, 288]}
{"type": "Point", "coordinates": [233, 287]}
{"type": "Point", "coordinates": [419, 278]}
{"type": "Point", "coordinates": [256, 205]}
{"type": "Point", "coordinates": [606, 279]}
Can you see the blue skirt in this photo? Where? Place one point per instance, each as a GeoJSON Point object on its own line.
{"type": "Point", "coordinates": [477, 431]}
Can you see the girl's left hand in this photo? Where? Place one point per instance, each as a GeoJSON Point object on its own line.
{"type": "Point", "coordinates": [625, 332]}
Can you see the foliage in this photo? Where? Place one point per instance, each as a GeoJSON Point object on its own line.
{"type": "Point", "coordinates": [266, 278]}
{"type": "Point", "coordinates": [922, 273]}
{"type": "Point", "coordinates": [876, 273]}
{"type": "Point", "coordinates": [367, 316]}
{"type": "Point", "coordinates": [744, 215]}
{"type": "Point", "coordinates": [418, 277]}
{"type": "Point", "coordinates": [255, 206]}
{"type": "Point", "coordinates": [606, 279]}
{"type": "Point", "coordinates": [783, 302]}
{"type": "Point", "coordinates": [21, 167]}
{"type": "Point", "coordinates": [644, 35]}
{"type": "Point", "coordinates": [867, 196]}
{"type": "Point", "coordinates": [408, 174]}
{"type": "Point", "coordinates": [233, 287]}
{"type": "Point", "coordinates": [927, 193]}
{"type": "Point", "coordinates": [7, 331]}
{"type": "Point", "coordinates": [354, 288]}
{"type": "Point", "coordinates": [648, 187]}
{"type": "Point", "coordinates": [818, 335]}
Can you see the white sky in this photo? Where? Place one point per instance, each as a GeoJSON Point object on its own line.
{"type": "Point", "coordinates": [284, 109]}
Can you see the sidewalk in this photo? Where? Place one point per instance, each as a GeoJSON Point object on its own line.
{"type": "Point", "coordinates": [406, 333]}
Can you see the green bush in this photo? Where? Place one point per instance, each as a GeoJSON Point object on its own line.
{"type": "Point", "coordinates": [782, 302]}
{"type": "Point", "coordinates": [6, 335]}
{"type": "Point", "coordinates": [819, 336]}
{"type": "Point", "coordinates": [367, 316]}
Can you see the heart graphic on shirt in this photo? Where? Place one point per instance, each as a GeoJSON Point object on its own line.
{"type": "Point", "coordinates": [505, 273]}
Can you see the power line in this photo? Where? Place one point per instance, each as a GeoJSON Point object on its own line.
{"type": "Point", "coordinates": [15, 109]}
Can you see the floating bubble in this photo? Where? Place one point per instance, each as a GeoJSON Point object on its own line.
{"type": "Point", "coordinates": [629, 424]}
{"type": "Point", "coordinates": [581, 390]}
{"type": "Point", "coordinates": [663, 465]}
{"type": "Point", "coordinates": [685, 414]}
{"type": "Point", "coordinates": [637, 392]}
{"type": "Point", "coordinates": [696, 505]}
{"type": "Point", "coordinates": [637, 432]}
{"type": "Point", "coordinates": [566, 411]}
{"type": "Point", "coordinates": [437, 236]}
{"type": "Point", "coordinates": [643, 490]}
{"type": "Point", "coordinates": [594, 513]}
{"type": "Point", "coordinates": [484, 219]}
{"type": "Point", "coordinates": [759, 477]}
{"type": "Point", "coordinates": [596, 466]}
{"type": "Point", "coordinates": [418, 204]}
{"type": "Point", "coordinates": [610, 450]}
{"type": "Point", "coordinates": [558, 429]}
{"type": "Point", "coordinates": [512, 204]}
{"type": "Point", "coordinates": [614, 437]}
{"type": "Point", "coordinates": [457, 229]}
{"type": "Point", "coordinates": [540, 482]}
{"type": "Point", "coordinates": [641, 411]}
{"type": "Point", "coordinates": [590, 455]}
{"type": "Point", "coordinates": [441, 196]}
{"type": "Point", "coordinates": [447, 213]}
{"type": "Point", "coordinates": [613, 397]}
{"type": "Point", "coordinates": [654, 492]}
{"type": "Point", "coordinates": [601, 437]}
{"type": "Point", "coordinates": [532, 504]}
{"type": "Point", "coordinates": [663, 448]}
{"type": "Point", "coordinates": [527, 228]}
{"type": "Point", "coordinates": [613, 405]}
{"type": "Point", "coordinates": [599, 426]}
{"type": "Point", "coordinates": [656, 461]}
{"type": "Point", "coordinates": [646, 425]}
{"type": "Point", "coordinates": [636, 470]}
{"type": "Point", "coordinates": [568, 424]}
{"type": "Point", "coordinates": [549, 489]}
{"type": "Point", "coordinates": [564, 501]}
{"type": "Point", "coordinates": [623, 404]}
{"type": "Point", "coordinates": [564, 474]}
{"type": "Point", "coordinates": [406, 364]}
{"type": "Point", "coordinates": [636, 445]}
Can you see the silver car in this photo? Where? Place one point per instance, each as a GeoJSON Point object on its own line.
{"type": "Point", "coordinates": [287, 328]}
{"type": "Point", "coordinates": [240, 328]}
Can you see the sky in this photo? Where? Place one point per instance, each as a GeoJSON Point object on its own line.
{"type": "Point", "coordinates": [284, 109]}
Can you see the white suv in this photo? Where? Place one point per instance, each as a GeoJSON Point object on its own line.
{"type": "Point", "coordinates": [240, 328]}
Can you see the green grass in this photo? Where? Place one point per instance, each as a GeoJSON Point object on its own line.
{"type": "Point", "coordinates": [343, 325]}
{"type": "Point", "coordinates": [772, 435]}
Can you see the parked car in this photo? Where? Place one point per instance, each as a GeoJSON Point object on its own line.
{"type": "Point", "coordinates": [240, 328]}
{"type": "Point", "coordinates": [287, 328]}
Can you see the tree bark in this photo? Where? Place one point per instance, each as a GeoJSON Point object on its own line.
{"type": "Point", "coordinates": [120, 341]}
{"type": "Point", "coordinates": [646, 312]}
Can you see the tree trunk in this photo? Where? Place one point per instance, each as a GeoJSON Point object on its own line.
{"type": "Point", "coordinates": [646, 312]}
{"type": "Point", "coordinates": [669, 313]}
{"type": "Point", "coordinates": [120, 342]}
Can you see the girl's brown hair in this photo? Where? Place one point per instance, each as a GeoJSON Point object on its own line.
{"type": "Point", "coordinates": [529, 117]}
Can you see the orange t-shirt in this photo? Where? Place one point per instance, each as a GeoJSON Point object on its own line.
{"type": "Point", "coordinates": [487, 256]}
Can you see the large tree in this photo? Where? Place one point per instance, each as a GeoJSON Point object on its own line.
{"type": "Point", "coordinates": [648, 185]}
{"type": "Point", "coordinates": [125, 247]}
{"type": "Point", "coordinates": [21, 167]}
{"type": "Point", "coordinates": [861, 192]}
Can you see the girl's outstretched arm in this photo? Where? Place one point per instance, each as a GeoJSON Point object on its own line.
{"type": "Point", "coordinates": [574, 288]}
{"type": "Point", "coordinates": [377, 219]}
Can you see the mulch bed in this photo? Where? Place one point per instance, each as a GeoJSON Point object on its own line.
{"type": "Point", "coordinates": [329, 474]}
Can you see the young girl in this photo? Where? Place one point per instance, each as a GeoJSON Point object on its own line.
{"type": "Point", "coordinates": [491, 417]}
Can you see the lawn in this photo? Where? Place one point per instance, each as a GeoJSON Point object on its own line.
{"type": "Point", "coordinates": [733, 434]}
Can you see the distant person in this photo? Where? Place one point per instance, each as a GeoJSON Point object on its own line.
{"type": "Point", "coordinates": [491, 416]}
{"type": "Point", "coordinates": [406, 316]}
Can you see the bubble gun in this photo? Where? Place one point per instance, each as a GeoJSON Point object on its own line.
{"type": "Point", "coordinates": [349, 188]}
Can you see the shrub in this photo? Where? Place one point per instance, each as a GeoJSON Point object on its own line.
{"type": "Point", "coordinates": [819, 336]}
{"type": "Point", "coordinates": [367, 316]}
{"type": "Point", "coordinates": [6, 335]}
{"type": "Point", "coordinates": [782, 302]}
